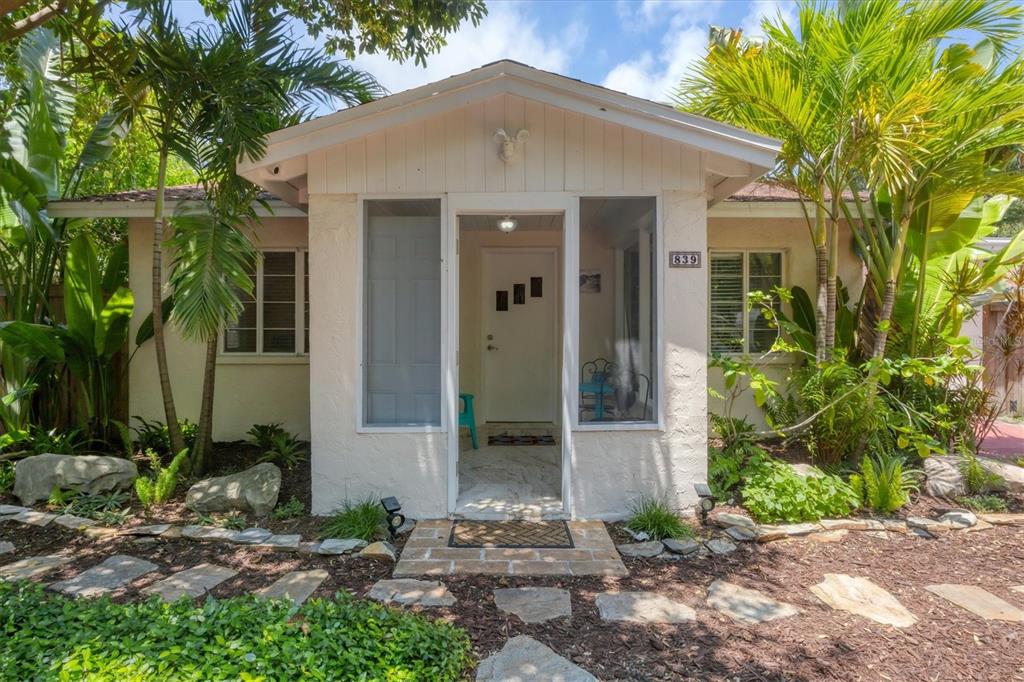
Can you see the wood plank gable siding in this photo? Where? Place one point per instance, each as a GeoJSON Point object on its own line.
{"type": "Point", "coordinates": [455, 152]}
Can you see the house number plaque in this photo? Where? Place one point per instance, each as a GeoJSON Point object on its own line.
{"type": "Point", "coordinates": [684, 259]}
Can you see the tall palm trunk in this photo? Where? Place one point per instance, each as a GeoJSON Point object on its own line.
{"type": "Point", "coordinates": [204, 437]}
{"type": "Point", "coordinates": [821, 303]}
{"type": "Point", "coordinates": [173, 430]}
{"type": "Point", "coordinates": [832, 268]}
{"type": "Point", "coordinates": [891, 283]}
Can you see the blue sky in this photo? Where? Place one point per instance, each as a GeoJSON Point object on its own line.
{"type": "Point", "coordinates": [637, 46]}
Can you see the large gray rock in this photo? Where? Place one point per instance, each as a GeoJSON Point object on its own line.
{"type": "Point", "coordinates": [35, 477]}
{"type": "Point", "coordinates": [1012, 476]}
{"type": "Point", "coordinates": [253, 490]}
{"type": "Point", "coordinates": [944, 478]}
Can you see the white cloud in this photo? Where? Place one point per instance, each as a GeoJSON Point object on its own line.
{"type": "Point", "coordinates": [507, 32]}
{"type": "Point", "coordinates": [656, 76]}
{"type": "Point", "coordinates": [759, 9]}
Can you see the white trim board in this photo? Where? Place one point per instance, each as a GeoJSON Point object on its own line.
{"type": "Point", "coordinates": [146, 209]}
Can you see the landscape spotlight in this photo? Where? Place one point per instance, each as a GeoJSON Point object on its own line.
{"type": "Point", "coordinates": [707, 500]}
{"type": "Point", "coordinates": [395, 520]}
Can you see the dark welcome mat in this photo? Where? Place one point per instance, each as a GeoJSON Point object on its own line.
{"type": "Point", "coordinates": [533, 534]}
{"type": "Point", "coordinates": [506, 439]}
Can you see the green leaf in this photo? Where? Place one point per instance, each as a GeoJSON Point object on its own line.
{"type": "Point", "coordinates": [145, 332]}
{"type": "Point", "coordinates": [83, 296]}
{"type": "Point", "coordinates": [32, 341]}
{"type": "Point", "coordinates": [112, 326]}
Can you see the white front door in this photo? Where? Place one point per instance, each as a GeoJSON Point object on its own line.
{"type": "Point", "coordinates": [521, 332]}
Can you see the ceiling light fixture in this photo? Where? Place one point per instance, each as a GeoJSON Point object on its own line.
{"type": "Point", "coordinates": [507, 224]}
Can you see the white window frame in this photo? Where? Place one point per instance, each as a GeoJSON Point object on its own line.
{"type": "Point", "coordinates": [784, 277]}
{"type": "Point", "coordinates": [300, 354]}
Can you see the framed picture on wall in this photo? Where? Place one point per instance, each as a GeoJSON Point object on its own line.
{"type": "Point", "coordinates": [518, 294]}
{"type": "Point", "coordinates": [590, 281]}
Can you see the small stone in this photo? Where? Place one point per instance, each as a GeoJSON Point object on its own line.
{"type": "Point", "coordinates": [6, 547]}
{"type": "Point", "coordinates": [651, 548]}
{"type": "Point", "coordinates": [33, 518]}
{"type": "Point", "coordinates": [192, 582]}
{"type": "Point", "coordinates": [745, 605]}
{"type": "Point", "coordinates": [379, 550]}
{"type": "Point", "coordinates": [681, 546]}
{"type": "Point", "coordinates": [209, 533]}
{"type": "Point", "coordinates": [959, 519]}
{"type": "Point", "coordinates": [524, 658]}
{"type": "Point", "coordinates": [642, 607]}
{"type": "Point", "coordinates": [851, 524]}
{"type": "Point", "coordinates": [534, 604]}
{"type": "Point", "coordinates": [829, 535]}
{"type": "Point", "coordinates": [296, 586]}
{"type": "Point", "coordinates": [895, 526]}
{"type": "Point", "coordinates": [172, 533]}
{"type": "Point", "coordinates": [309, 548]}
{"type": "Point", "coordinates": [864, 598]}
{"type": "Point", "coordinates": [638, 535]}
{"type": "Point", "coordinates": [741, 533]}
{"type": "Point", "coordinates": [252, 536]}
{"type": "Point", "coordinates": [341, 546]}
{"type": "Point", "coordinates": [726, 519]}
{"type": "Point", "coordinates": [156, 529]}
{"type": "Point", "coordinates": [879, 534]}
{"type": "Point", "coordinates": [720, 546]}
{"type": "Point", "coordinates": [1003, 519]}
{"type": "Point", "coordinates": [26, 569]}
{"type": "Point", "coordinates": [113, 573]}
{"type": "Point", "coordinates": [980, 525]}
{"type": "Point", "coordinates": [11, 509]}
{"type": "Point", "coordinates": [101, 533]}
{"type": "Point", "coordinates": [281, 543]}
{"type": "Point", "coordinates": [921, 533]}
{"type": "Point", "coordinates": [73, 522]}
{"type": "Point", "coordinates": [145, 541]}
{"type": "Point", "coordinates": [410, 592]}
{"type": "Point", "coordinates": [981, 603]}
{"type": "Point", "coordinates": [789, 530]}
{"type": "Point", "coordinates": [931, 525]}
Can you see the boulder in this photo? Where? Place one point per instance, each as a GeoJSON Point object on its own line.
{"type": "Point", "coordinates": [1012, 475]}
{"type": "Point", "coordinates": [253, 490]}
{"type": "Point", "coordinates": [943, 476]}
{"type": "Point", "coordinates": [35, 477]}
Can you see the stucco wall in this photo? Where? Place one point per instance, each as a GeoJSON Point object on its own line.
{"type": "Point", "coordinates": [346, 464]}
{"type": "Point", "coordinates": [248, 390]}
{"type": "Point", "coordinates": [610, 469]}
{"type": "Point", "coordinates": [790, 236]}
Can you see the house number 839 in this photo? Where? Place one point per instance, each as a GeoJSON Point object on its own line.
{"type": "Point", "coordinates": [684, 259]}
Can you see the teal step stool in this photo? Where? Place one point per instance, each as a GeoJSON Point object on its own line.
{"type": "Point", "coordinates": [466, 416]}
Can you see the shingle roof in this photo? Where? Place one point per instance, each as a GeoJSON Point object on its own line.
{"type": "Point", "coordinates": [766, 191]}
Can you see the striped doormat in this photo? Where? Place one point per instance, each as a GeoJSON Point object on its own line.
{"type": "Point", "coordinates": [507, 439]}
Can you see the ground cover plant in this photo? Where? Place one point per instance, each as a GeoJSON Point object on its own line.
{"type": "Point", "coordinates": [773, 492]}
{"type": "Point", "coordinates": [364, 520]}
{"type": "Point", "coordinates": [983, 503]}
{"type": "Point", "coordinates": [47, 637]}
{"type": "Point", "coordinates": [655, 518]}
{"type": "Point", "coordinates": [292, 509]}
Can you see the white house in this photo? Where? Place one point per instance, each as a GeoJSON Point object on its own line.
{"type": "Point", "coordinates": [501, 234]}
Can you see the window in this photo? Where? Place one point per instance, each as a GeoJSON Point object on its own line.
{"type": "Point", "coordinates": [732, 328]}
{"type": "Point", "coordinates": [402, 313]}
{"type": "Point", "coordinates": [618, 312]}
{"type": "Point", "coordinates": [273, 312]}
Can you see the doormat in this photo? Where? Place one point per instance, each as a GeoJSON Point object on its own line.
{"type": "Point", "coordinates": [506, 439]}
{"type": "Point", "coordinates": [511, 534]}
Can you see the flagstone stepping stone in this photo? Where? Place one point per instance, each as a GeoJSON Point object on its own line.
{"type": "Point", "coordinates": [1003, 519]}
{"type": "Point", "coordinates": [156, 529]}
{"type": "Point", "coordinates": [534, 604]}
{"type": "Point", "coordinates": [379, 550]}
{"type": "Point", "coordinates": [981, 603]}
{"type": "Point", "coordinates": [11, 509]}
{"type": "Point", "coordinates": [342, 546]}
{"type": "Point", "coordinates": [832, 535]}
{"type": "Point", "coordinates": [296, 586]}
{"type": "Point", "coordinates": [192, 582]}
{"type": "Point", "coordinates": [252, 536]}
{"type": "Point", "coordinates": [864, 598]}
{"type": "Point", "coordinates": [726, 519]}
{"type": "Point", "coordinates": [281, 543]}
{"type": "Point", "coordinates": [980, 525]}
{"type": "Point", "coordinates": [684, 546]}
{"type": "Point", "coordinates": [745, 605]}
{"type": "Point", "coordinates": [959, 519]}
{"type": "Point", "coordinates": [720, 546]}
{"type": "Point", "coordinates": [524, 659]}
{"type": "Point", "coordinates": [642, 607]}
{"type": "Point", "coordinates": [409, 592]}
{"type": "Point", "coordinates": [29, 568]}
{"type": "Point", "coordinates": [1018, 588]}
{"type": "Point", "coordinates": [209, 533]}
{"type": "Point", "coordinates": [74, 522]}
{"type": "Point", "coordinates": [33, 518]}
{"type": "Point", "coordinates": [6, 547]}
{"type": "Point", "coordinates": [651, 548]}
{"type": "Point", "coordinates": [113, 573]}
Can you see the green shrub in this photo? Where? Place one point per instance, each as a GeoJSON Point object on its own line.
{"type": "Point", "coordinates": [773, 492]}
{"type": "Point", "coordinates": [261, 435]}
{"type": "Point", "coordinates": [363, 520]}
{"type": "Point", "coordinates": [883, 484]}
{"type": "Point", "coordinates": [160, 488]}
{"type": "Point", "coordinates": [977, 479]}
{"type": "Point", "coordinates": [285, 450]}
{"type": "Point", "coordinates": [48, 637]}
{"type": "Point", "coordinates": [6, 476]}
{"type": "Point", "coordinates": [153, 435]}
{"type": "Point", "coordinates": [291, 509]}
{"type": "Point", "coordinates": [70, 442]}
{"type": "Point", "coordinates": [109, 508]}
{"type": "Point", "coordinates": [726, 466]}
{"type": "Point", "coordinates": [983, 503]}
{"type": "Point", "coordinates": [654, 517]}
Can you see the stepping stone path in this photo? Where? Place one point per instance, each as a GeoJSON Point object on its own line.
{"type": "Point", "coordinates": [11, 510]}
{"type": "Point", "coordinates": [862, 597]}
{"type": "Point", "coordinates": [336, 546]}
{"type": "Point", "coordinates": [29, 568]}
{"type": "Point", "coordinates": [157, 529]}
{"type": "Point", "coordinates": [651, 548]}
{"type": "Point", "coordinates": [296, 586]}
{"type": "Point", "coordinates": [253, 536]}
{"type": "Point", "coordinates": [209, 533]}
{"type": "Point", "coordinates": [74, 522]}
{"type": "Point", "coordinates": [33, 518]}
{"type": "Point", "coordinates": [745, 605]}
{"type": "Point", "coordinates": [6, 547]}
{"type": "Point", "coordinates": [642, 607]}
{"type": "Point", "coordinates": [524, 659]}
{"type": "Point", "coordinates": [281, 543]}
{"type": "Point", "coordinates": [534, 604]}
{"type": "Point", "coordinates": [114, 572]}
{"type": "Point", "coordinates": [409, 592]}
{"type": "Point", "coordinates": [981, 603]}
{"type": "Point", "coordinates": [192, 582]}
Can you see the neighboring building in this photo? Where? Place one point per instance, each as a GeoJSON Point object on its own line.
{"type": "Point", "coordinates": [422, 247]}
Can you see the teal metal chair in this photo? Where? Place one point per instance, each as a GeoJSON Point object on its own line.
{"type": "Point", "coordinates": [466, 416]}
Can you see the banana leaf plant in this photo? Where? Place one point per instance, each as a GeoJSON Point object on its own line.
{"type": "Point", "coordinates": [97, 309]}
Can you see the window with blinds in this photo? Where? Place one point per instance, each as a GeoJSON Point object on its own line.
{"type": "Point", "coordinates": [731, 327]}
{"type": "Point", "coordinates": [276, 309]}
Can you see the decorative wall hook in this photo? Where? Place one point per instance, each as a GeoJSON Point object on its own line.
{"type": "Point", "coordinates": [508, 144]}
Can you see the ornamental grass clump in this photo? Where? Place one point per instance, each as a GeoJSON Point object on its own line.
{"type": "Point", "coordinates": [363, 520]}
{"type": "Point", "coordinates": [654, 517]}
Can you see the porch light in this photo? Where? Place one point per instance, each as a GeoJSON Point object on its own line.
{"type": "Point", "coordinates": [707, 500]}
{"type": "Point", "coordinates": [507, 224]}
{"type": "Point", "coordinates": [395, 520]}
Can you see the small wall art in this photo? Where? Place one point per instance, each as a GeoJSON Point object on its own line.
{"type": "Point", "coordinates": [590, 281]}
{"type": "Point", "coordinates": [501, 301]}
{"type": "Point", "coordinates": [536, 287]}
{"type": "Point", "coordinates": [518, 294]}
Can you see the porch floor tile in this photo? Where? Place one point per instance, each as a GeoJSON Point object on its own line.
{"type": "Point", "coordinates": [426, 552]}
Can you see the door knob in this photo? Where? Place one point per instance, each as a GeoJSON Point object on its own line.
{"type": "Point", "coordinates": [490, 347]}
